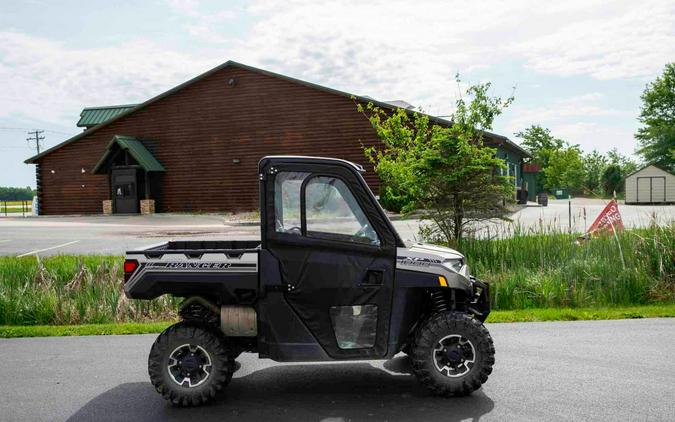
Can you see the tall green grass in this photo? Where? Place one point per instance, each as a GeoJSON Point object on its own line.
{"type": "Point", "coordinates": [71, 290]}
{"type": "Point", "coordinates": [555, 270]}
{"type": "Point", "coordinates": [525, 271]}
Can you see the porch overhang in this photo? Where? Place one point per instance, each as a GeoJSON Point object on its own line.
{"type": "Point", "coordinates": [134, 148]}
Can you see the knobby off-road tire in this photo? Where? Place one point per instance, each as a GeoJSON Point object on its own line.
{"type": "Point", "coordinates": [207, 347]}
{"type": "Point", "coordinates": [467, 338]}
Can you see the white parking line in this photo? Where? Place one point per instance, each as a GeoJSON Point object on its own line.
{"type": "Point", "coordinates": [5, 240]}
{"type": "Point", "coordinates": [46, 249]}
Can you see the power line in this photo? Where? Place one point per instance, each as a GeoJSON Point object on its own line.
{"type": "Point", "coordinates": [29, 129]}
{"type": "Point", "coordinates": [36, 136]}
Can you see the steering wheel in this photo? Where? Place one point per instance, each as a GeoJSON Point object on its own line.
{"type": "Point", "coordinates": [363, 230]}
{"type": "Point", "coordinates": [294, 230]}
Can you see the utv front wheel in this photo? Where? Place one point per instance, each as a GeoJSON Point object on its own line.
{"type": "Point", "coordinates": [452, 354]}
{"type": "Point", "coordinates": [189, 364]}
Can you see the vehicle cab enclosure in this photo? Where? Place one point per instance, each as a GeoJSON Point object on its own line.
{"type": "Point", "coordinates": [330, 279]}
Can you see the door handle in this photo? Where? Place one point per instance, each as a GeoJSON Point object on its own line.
{"type": "Point", "coordinates": [373, 278]}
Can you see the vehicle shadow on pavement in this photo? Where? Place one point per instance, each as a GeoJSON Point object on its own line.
{"type": "Point", "coordinates": [345, 392]}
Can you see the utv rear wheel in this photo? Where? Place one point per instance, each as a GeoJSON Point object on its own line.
{"type": "Point", "coordinates": [190, 364]}
{"type": "Point", "coordinates": [452, 354]}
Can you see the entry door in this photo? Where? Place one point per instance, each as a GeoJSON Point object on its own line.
{"type": "Point", "coordinates": [125, 190]}
{"type": "Point", "coordinates": [336, 261]}
{"type": "Point", "coordinates": [658, 189]}
{"type": "Point", "coordinates": [644, 189]}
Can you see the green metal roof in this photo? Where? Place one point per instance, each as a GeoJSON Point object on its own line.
{"type": "Point", "coordinates": [135, 148]}
{"type": "Point", "coordinates": [92, 116]}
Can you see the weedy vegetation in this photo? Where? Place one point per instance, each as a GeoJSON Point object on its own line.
{"type": "Point", "coordinates": [555, 270]}
{"type": "Point", "coordinates": [518, 315]}
{"type": "Point", "coordinates": [526, 271]}
{"type": "Point", "coordinates": [71, 290]}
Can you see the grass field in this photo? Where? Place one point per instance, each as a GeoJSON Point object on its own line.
{"type": "Point", "coordinates": [522, 315]}
{"type": "Point", "coordinates": [13, 207]}
{"type": "Point", "coordinates": [525, 272]}
{"type": "Point", "coordinates": [9, 331]}
{"type": "Point", "coordinates": [552, 270]}
{"type": "Point", "coordinates": [16, 203]}
{"type": "Point", "coordinates": [62, 290]}
{"type": "Point", "coordinates": [14, 210]}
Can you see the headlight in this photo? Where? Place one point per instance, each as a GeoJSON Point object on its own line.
{"type": "Point", "coordinates": [455, 264]}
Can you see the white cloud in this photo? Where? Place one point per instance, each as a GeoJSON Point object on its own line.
{"type": "Point", "coordinates": [45, 81]}
{"type": "Point", "coordinates": [398, 50]}
{"type": "Point", "coordinates": [186, 7]}
{"type": "Point", "coordinates": [591, 135]}
{"type": "Point", "coordinates": [203, 25]}
{"type": "Point", "coordinates": [623, 39]}
{"type": "Point", "coordinates": [579, 120]}
{"type": "Point", "coordinates": [386, 49]}
{"type": "Point", "coordinates": [578, 107]}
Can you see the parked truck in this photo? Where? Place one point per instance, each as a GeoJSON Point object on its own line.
{"type": "Point", "coordinates": [330, 280]}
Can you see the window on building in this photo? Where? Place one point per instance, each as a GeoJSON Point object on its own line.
{"type": "Point", "coordinates": [513, 172]}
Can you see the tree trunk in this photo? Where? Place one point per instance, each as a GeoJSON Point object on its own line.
{"type": "Point", "coordinates": [458, 217]}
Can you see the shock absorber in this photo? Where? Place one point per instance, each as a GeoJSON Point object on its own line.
{"type": "Point", "coordinates": [439, 303]}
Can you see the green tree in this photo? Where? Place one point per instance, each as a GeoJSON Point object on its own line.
{"type": "Point", "coordinates": [539, 142]}
{"type": "Point", "coordinates": [565, 169]}
{"type": "Point", "coordinates": [594, 165]}
{"type": "Point", "coordinates": [612, 179]}
{"type": "Point", "coordinates": [625, 164]}
{"type": "Point", "coordinates": [657, 136]}
{"type": "Point", "coordinates": [16, 194]}
{"type": "Point", "coordinates": [445, 172]}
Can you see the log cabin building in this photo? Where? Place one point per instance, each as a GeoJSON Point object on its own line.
{"type": "Point", "coordinates": [195, 148]}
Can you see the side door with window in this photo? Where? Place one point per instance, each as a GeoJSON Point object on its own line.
{"type": "Point", "coordinates": [125, 194]}
{"type": "Point", "coordinates": [337, 256]}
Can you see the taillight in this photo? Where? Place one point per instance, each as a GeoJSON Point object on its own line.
{"type": "Point", "coordinates": [130, 265]}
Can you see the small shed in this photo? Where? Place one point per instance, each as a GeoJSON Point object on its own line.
{"type": "Point", "coordinates": [650, 185]}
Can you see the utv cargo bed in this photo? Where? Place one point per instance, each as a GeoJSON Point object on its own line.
{"type": "Point", "coordinates": [226, 270]}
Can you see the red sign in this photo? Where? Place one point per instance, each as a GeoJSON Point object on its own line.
{"type": "Point", "coordinates": [609, 218]}
{"type": "Point", "coordinates": [531, 168]}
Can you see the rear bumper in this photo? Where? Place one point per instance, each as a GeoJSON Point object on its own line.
{"type": "Point", "coordinates": [480, 301]}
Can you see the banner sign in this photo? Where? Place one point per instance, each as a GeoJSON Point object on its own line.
{"type": "Point", "coordinates": [609, 218]}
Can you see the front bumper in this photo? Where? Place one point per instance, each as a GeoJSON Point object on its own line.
{"type": "Point", "coordinates": [479, 305]}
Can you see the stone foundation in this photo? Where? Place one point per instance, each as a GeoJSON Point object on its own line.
{"type": "Point", "coordinates": [107, 207]}
{"type": "Point", "coordinates": [147, 206]}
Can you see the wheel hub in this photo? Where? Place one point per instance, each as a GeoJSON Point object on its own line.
{"type": "Point", "coordinates": [454, 356]}
{"type": "Point", "coordinates": [189, 365]}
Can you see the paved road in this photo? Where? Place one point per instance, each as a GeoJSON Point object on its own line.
{"type": "Point", "coordinates": [116, 234]}
{"type": "Point", "coordinates": [594, 370]}
{"type": "Point", "coordinates": [113, 235]}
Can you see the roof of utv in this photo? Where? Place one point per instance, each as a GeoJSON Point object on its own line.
{"type": "Point", "coordinates": [310, 160]}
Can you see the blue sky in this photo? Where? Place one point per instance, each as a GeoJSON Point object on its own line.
{"type": "Point", "coordinates": [578, 67]}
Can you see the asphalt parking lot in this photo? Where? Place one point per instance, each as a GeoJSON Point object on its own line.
{"type": "Point", "coordinates": [112, 235]}
{"type": "Point", "coordinates": [587, 370]}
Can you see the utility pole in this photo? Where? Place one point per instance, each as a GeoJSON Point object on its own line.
{"type": "Point", "coordinates": [35, 135]}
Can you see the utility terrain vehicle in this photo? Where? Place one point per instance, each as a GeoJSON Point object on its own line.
{"type": "Point", "coordinates": [329, 280]}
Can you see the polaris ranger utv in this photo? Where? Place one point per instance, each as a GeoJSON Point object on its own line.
{"type": "Point", "coordinates": [329, 280]}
